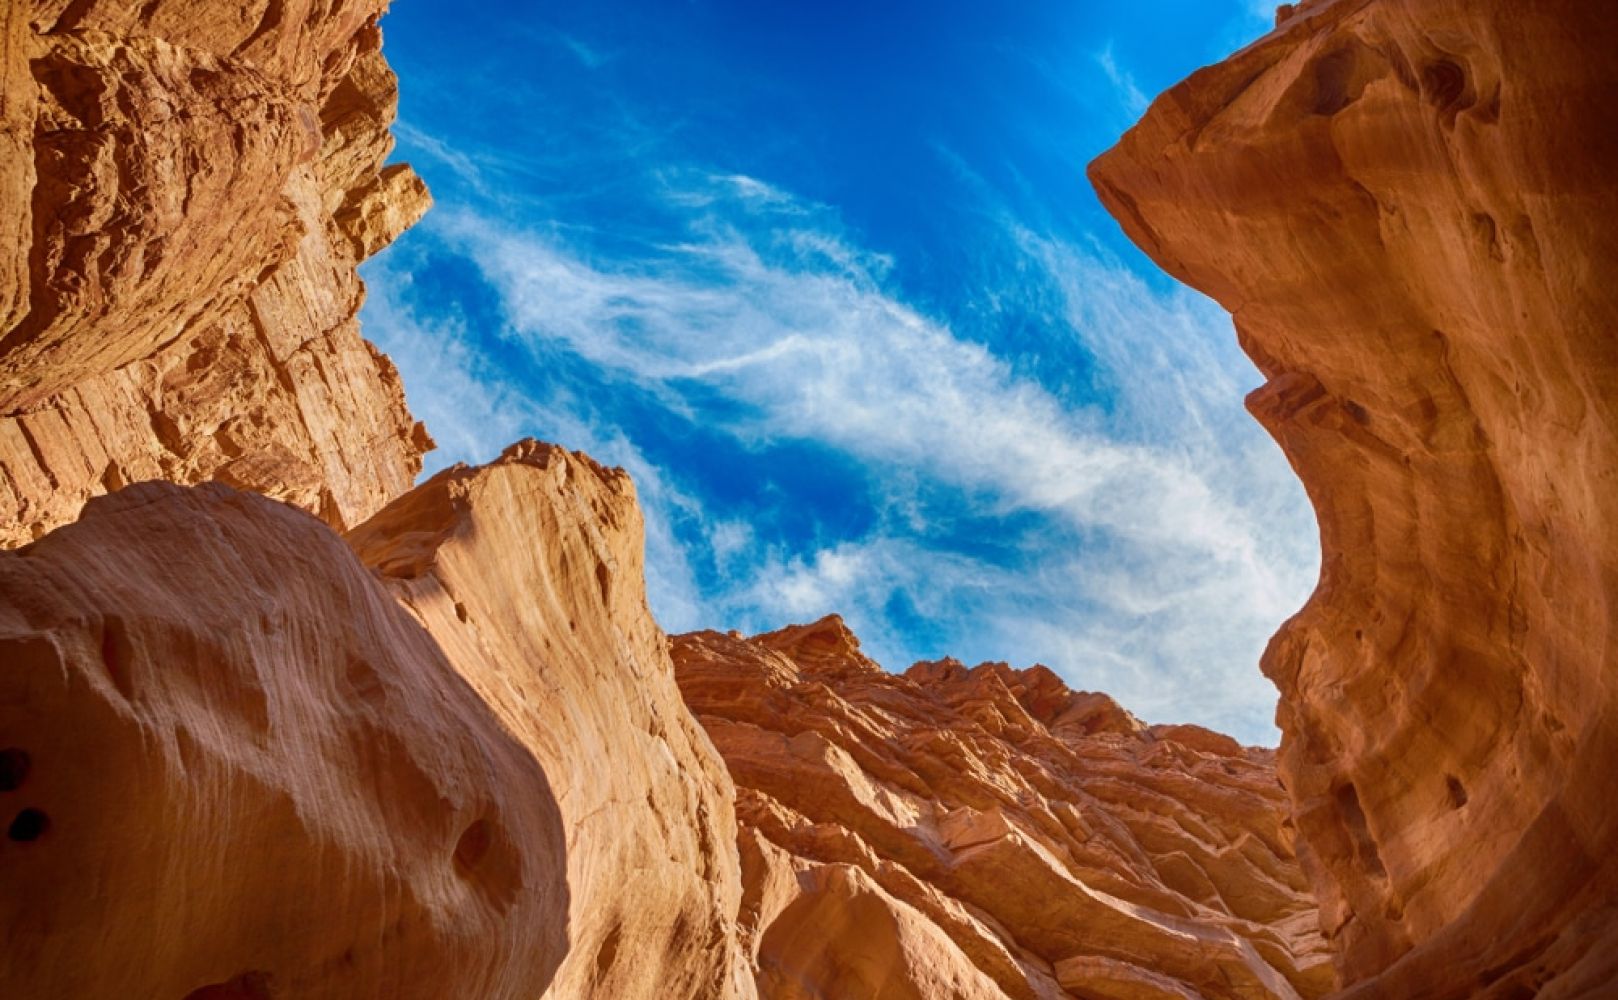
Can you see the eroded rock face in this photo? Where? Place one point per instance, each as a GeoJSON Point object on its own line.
{"type": "Point", "coordinates": [1407, 207]}
{"type": "Point", "coordinates": [530, 574]}
{"type": "Point", "coordinates": [188, 186]}
{"type": "Point", "coordinates": [988, 833]}
{"type": "Point", "coordinates": [232, 766]}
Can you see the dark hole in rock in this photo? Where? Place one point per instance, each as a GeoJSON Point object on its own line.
{"type": "Point", "coordinates": [608, 952]}
{"type": "Point", "coordinates": [1444, 83]}
{"type": "Point", "coordinates": [1359, 413]}
{"type": "Point", "coordinates": [30, 824]}
{"type": "Point", "coordinates": [116, 653]}
{"type": "Point", "coordinates": [1359, 829]}
{"type": "Point", "coordinates": [473, 845]}
{"type": "Point", "coordinates": [1339, 81]}
{"type": "Point", "coordinates": [14, 767]}
{"type": "Point", "coordinates": [1457, 791]}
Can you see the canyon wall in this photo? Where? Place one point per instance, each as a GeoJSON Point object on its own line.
{"type": "Point", "coordinates": [243, 760]}
{"type": "Point", "coordinates": [988, 833]}
{"type": "Point", "coordinates": [239, 763]}
{"type": "Point", "coordinates": [234, 768]}
{"type": "Point", "coordinates": [529, 573]}
{"type": "Point", "coordinates": [1407, 207]}
{"type": "Point", "coordinates": [187, 186]}
{"type": "Point", "coordinates": [246, 761]}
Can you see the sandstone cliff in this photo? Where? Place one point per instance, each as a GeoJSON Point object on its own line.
{"type": "Point", "coordinates": [238, 765]}
{"type": "Point", "coordinates": [988, 833]}
{"type": "Point", "coordinates": [234, 768]}
{"type": "Point", "coordinates": [1408, 209]}
{"type": "Point", "coordinates": [529, 573]}
{"type": "Point", "coordinates": [236, 761]}
{"type": "Point", "coordinates": [186, 187]}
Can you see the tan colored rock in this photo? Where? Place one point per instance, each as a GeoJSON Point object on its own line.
{"type": "Point", "coordinates": [1407, 206]}
{"type": "Point", "coordinates": [530, 574]}
{"type": "Point", "coordinates": [192, 184]}
{"type": "Point", "coordinates": [231, 766]}
{"type": "Point", "coordinates": [987, 832]}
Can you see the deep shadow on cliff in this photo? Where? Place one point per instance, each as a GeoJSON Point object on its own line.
{"type": "Point", "coordinates": [1408, 209]}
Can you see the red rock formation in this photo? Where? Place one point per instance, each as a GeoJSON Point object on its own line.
{"type": "Point", "coordinates": [216, 724]}
{"type": "Point", "coordinates": [529, 573]}
{"type": "Point", "coordinates": [231, 766]}
{"type": "Point", "coordinates": [188, 186]}
{"type": "Point", "coordinates": [235, 761]}
{"type": "Point", "coordinates": [989, 833]}
{"type": "Point", "coordinates": [1407, 207]}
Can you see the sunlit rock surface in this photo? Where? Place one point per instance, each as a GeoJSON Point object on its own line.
{"type": "Point", "coordinates": [232, 766]}
{"type": "Point", "coordinates": [1408, 208]}
{"type": "Point", "coordinates": [529, 572]}
{"type": "Point", "coordinates": [236, 759]}
{"type": "Point", "coordinates": [235, 763]}
{"type": "Point", "coordinates": [185, 188]}
{"type": "Point", "coordinates": [987, 832]}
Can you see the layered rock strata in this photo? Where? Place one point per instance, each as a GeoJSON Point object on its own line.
{"type": "Point", "coordinates": [187, 188]}
{"type": "Point", "coordinates": [234, 768]}
{"type": "Point", "coordinates": [1407, 208]}
{"type": "Point", "coordinates": [529, 572]}
{"type": "Point", "coordinates": [987, 833]}
{"type": "Point", "coordinates": [238, 764]}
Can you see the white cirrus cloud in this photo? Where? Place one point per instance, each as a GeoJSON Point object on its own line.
{"type": "Point", "coordinates": [1174, 540]}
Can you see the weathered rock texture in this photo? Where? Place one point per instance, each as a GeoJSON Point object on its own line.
{"type": "Point", "coordinates": [529, 573]}
{"type": "Point", "coordinates": [1408, 209]}
{"type": "Point", "coordinates": [988, 833]}
{"type": "Point", "coordinates": [232, 766]}
{"type": "Point", "coordinates": [185, 188]}
{"type": "Point", "coordinates": [234, 760]}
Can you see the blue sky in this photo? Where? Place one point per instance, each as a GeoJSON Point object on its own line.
{"type": "Point", "coordinates": [828, 280]}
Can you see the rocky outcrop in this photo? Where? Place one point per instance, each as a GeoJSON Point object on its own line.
{"type": "Point", "coordinates": [236, 761]}
{"type": "Point", "coordinates": [987, 833]}
{"type": "Point", "coordinates": [529, 573]}
{"type": "Point", "coordinates": [188, 187]}
{"type": "Point", "coordinates": [234, 767]}
{"type": "Point", "coordinates": [469, 772]}
{"type": "Point", "coordinates": [238, 764]}
{"type": "Point", "coordinates": [1407, 207]}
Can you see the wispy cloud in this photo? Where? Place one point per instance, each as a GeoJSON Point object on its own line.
{"type": "Point", "coordinates": [460, 164]}
{"type": "Point", "coordinates": [1173, 541]}
{"type": "Point", "coordinates": [590, 56]}
{"type": "Point", "coordinates": [1130, 96]}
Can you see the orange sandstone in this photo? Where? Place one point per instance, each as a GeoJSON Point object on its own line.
{"type": "Point", "coordinates": [987, 832]}
{"type": "Point", "coordinates": [187, 186]}
{"type": "Point", "coordinates": [236, 764]}
{"type": "Point", "coordinates": [1407, 208]}
{"type": "Point", "coordinates": [233, 766]}
{"type": "Point", "coordinates": [529, 573]}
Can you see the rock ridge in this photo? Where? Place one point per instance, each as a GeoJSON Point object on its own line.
{"type": "Point", "coordinates": [986, 832]}
{"type": "Point", "coordinates": [191, 186]}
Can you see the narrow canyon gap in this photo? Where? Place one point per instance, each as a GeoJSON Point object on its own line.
{"type": "Point", "coordinates": [277, 724]}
